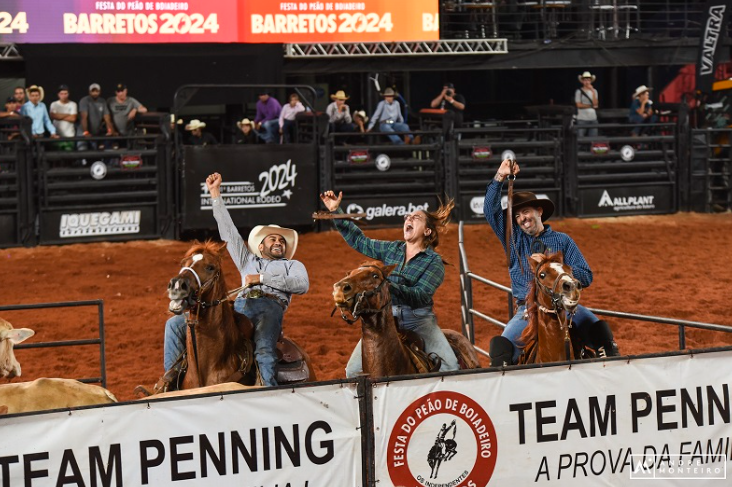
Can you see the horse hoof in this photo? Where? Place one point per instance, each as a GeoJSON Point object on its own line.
{"type": "Point", "coordinates": [141, 391]}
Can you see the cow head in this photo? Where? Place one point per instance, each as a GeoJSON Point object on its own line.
{"type": "Point", "coordinates": [9, 366]}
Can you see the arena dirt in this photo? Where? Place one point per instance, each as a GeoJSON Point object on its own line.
{"type": "Point", "coordinates": [673, 266]}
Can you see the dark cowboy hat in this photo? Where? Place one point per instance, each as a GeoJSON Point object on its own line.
{"type": "Point", "coordinates": [522, 199]}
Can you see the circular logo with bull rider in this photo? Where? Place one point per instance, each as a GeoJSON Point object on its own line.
{"type": "Point", "coordinates": [443, 439]}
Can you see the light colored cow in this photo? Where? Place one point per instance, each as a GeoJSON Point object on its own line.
{"type": "Point", "coordinates": [223, 387]}
{"type": "Point", "coordinates": [44, 394]}
{"type": "Point", "coordinates": [9, 336]}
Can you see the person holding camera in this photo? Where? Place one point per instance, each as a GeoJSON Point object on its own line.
{"type": "Point", "coordinates": [451, 101]}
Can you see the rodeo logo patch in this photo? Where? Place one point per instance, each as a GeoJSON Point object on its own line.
{"type": "Point", "coordinates": [444, 439]}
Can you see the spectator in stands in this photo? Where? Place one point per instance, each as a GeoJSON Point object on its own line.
{"type": "Point", "coordinates": [359, 120]}
{"type": "Point", "coordinates": [124, 109]}
{"type": "Point", "coordinates": [266, 122]}
{"type": "Point", "coordinates": [38, 113]}
{"type": "Point", "coordinates": [530, 235]}
{"type": "Point", "coordinates": [451, 101]}
{"type": "Point", "coordinates": [11, 108]}
{"type": "Point", "coordinates": [64, 114]}
{"type": "Point", "coordinates": [197, 135]}
{"type": "Point", "coordinates": [339, 114]}
{"type": "Point", "coordinates": [287, 118]}
{"type": "Point", "coordinates": [246, 134]}
{"type": "Point", "coordinates": [586, 101]}
{"type": "Point", "coordinates": [420, 271]}
{"type": "Point", "coordinates": [641, 110]}
{"type": "Point", "coordinates": [19, 95]}
{"type": "Point", "coordinates": [388, 115]}
{"type": "Point", "coordinates": [10, 132]}
{"type": "Point", "coordinates": [95, 116]}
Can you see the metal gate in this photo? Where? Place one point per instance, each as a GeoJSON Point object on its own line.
{"type": "Point", "coordinates": [478, 153]}
{"type": "Point", "coordinates": [116, 189]}
{"type": "Point", "coordinates": [16, 202]}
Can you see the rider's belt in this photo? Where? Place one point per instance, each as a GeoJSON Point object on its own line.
{"type": "Point", "coordinates": [387, 121]}
{"type": "Point", "coordinates": [258, 293]}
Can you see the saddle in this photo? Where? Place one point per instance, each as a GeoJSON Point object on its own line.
{"type": "Point", "coordinates": [421, 360]}
{"type": "Point", "coordinates": [291, 367]}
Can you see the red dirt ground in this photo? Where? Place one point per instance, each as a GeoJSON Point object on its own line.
{"type": "Point", "coordinates": [672, 266]}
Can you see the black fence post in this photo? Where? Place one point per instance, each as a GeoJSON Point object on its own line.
{"type": "Point", "coordinates": [683, 142]}
{"type": "Point", "coordinates": [569, 177]}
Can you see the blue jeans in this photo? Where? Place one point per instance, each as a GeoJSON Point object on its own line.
{"type": "Point", "coordinates": [265, 314]}
{"type": "Point", "coordinates": [423, 322]}
{"type": "Point", "coordinates": [591, 132]}
{"type": "Point", "coordinates": [270, 131]}
{"type": "Point", "coordinates": [395, 127]}
{"type": "Point", "coordinates": [515, 326]}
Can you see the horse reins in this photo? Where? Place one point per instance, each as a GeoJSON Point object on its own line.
{"type": "Point", "coordinates": [192, 322]}
{"type": "Point", "coordinates": [509, 216]}
{"type": "Point", "coordinates": [361, 297]}
{"type": "Point", "coordinates": [556, 300]}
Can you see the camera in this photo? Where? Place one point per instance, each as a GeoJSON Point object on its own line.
{"type": "Point", "coordinates": [449, 93]}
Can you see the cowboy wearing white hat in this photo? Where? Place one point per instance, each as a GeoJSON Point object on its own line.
{"type": "Point", "coordinates": [388, 115]}
{"type": "Point", "coordinates": [641, 110]}
{"type": "Point", "coordinates": [271, 278]}
{"type": "Point", "coordinates": [586, 101]}
{"type": "Point", "coordinates": [198, 136]}
{"type": "Point", "coordinates": [246, 134]}
{"type": "Point", "coordinates": [339, 114]}
{"type": "Point", "coordinates": [37, 111]}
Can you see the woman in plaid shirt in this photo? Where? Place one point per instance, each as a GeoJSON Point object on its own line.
{"type": "Point", "coordinates": [419, 272]}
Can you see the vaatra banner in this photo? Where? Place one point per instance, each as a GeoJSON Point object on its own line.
{"type": "Point", "coordinates": [714, 26]}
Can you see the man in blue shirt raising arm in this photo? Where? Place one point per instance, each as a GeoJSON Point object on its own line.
{"type": "Point", "coordinates": [532, 236]}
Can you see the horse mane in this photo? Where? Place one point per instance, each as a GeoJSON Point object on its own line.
{"type": "Point", "coordinates": [530, 335]}
{"type": "Point", "coordinates": [232, 339]}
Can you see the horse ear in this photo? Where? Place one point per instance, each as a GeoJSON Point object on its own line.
{"type": "Point", "coordinates": [560, 256]}
{"type": "Point", "coordinates": [220, 249]}
{"type": "Point", "coordinates": [535, 260]}
{"type": "Point", "coordinates": [388, 269]}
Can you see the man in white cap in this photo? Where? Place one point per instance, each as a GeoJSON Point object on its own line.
{"type": "Point", "coordinates": [272, 277]}
{"type": "Point", "coordinates": [198, 136]}
{"type": "Point", "coordinates": [586, 101]}
{"type": "Point", "coordinates": [641, 110]}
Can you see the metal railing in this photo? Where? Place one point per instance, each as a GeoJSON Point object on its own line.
{"type": "Point", "coordinates": [102, 378]}
{"type": "Point", "coordinates": [578, 19]}
{"type": "Point", "coordinates": [468, 312]}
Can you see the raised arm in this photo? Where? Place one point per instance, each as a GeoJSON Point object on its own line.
{"type": "Point", "coordinates": [492, 204]}
{"type": "Point", "coordinates": [234, 242]}
{"type": "Point", "coordinates": [354, 237]}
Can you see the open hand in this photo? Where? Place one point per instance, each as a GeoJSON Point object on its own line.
{"type": "Point", "coordinates": [331, 201]}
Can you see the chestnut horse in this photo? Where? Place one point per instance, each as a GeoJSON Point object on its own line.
{"type": "Point", "coordinates": [364, 294]}
{"type": "Point", "coordinates": [219, 341]}
{"type": "Point", "coordinates": [550, 305]}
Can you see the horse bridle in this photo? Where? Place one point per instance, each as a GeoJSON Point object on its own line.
{"type": "Point", "coordinates": [556, 300]}
{"type": "Point", "coordinates": [361, 297]}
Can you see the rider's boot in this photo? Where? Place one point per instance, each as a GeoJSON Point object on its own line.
{"type": "Point", "coordinates": [168, 382]}
{"type": "Point", "coordinates": [602, 337]}
{"type": "Point", "coordinates": [501, 351]}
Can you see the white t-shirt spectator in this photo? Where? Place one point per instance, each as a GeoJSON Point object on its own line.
{"type": "Point", "coordinates": [64, 128]}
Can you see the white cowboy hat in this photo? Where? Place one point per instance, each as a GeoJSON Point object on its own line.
{"type": "Point", "coordinates": [388, 92]}
{"type": "Point", "coordinates": [586, 74]}
{"type": "Point", "coordinates": [195, 124]}
{"type": "Point", "coordinates": [339, 95]}
{"type": "Point", "coordinates": [246, 121]}
{"type": "Point", "coordinates": [641, 89]}
{"type": "Point", "coordinates": [362, 114]}
{"type": "Point", "coordinates": [33, 87]}
{"type": "Point", "coordinates": [260, 232]}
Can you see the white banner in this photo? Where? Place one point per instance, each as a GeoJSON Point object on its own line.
{"type": "Point", "coordinates": [605, 423]}
{"type": "Point", "coordinates": [303, 437]}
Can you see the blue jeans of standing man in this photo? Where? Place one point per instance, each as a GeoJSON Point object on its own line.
{"type": "Point", "coordinates": [269, 132]}
{"type": "Point", "coordinates": [423, 322]}
{"type": "Point", "coordinates": [591, 132]}
{"type": "Point", "coordinates": [516, 325]}
{"type": "Point", "coordinates": [395, 127]}
{"type": "Point", "coordinates": [265, 314]}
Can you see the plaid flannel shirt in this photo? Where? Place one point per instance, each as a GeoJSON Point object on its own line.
{"type": "Point", "coordinates": [412, 284]}
{"type": "Point", "coordinates": [521, 250]}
